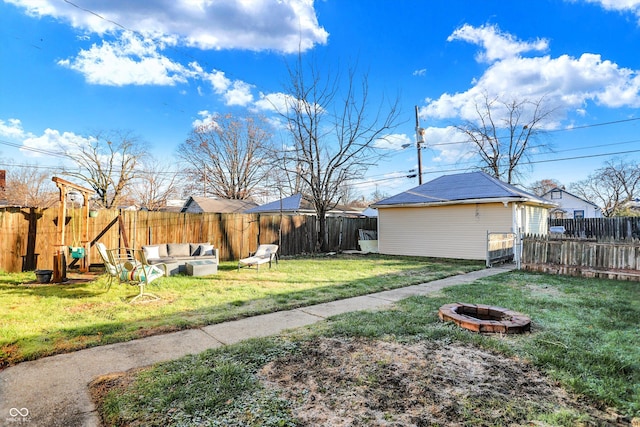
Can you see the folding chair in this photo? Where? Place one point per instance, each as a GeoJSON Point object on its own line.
{"type": "Point", "coordinates": [264, 254]}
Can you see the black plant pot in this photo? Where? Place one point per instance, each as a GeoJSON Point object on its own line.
{"type": "Point", "coordinates": [43, 276]}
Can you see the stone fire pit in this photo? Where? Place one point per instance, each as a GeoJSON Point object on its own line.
{"type": "Point", "coordinates": [485, 318]}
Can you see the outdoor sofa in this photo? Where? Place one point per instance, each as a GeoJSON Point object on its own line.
{"type": "Point", "coordinates": [175, 256]}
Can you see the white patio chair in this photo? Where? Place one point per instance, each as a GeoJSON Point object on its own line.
{"type": "Point", "coordinates": [134, 270]}
{"type": "Point", "coordinates": [264, 254]}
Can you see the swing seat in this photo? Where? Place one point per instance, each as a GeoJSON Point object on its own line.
{"type": "Point", "coordinates": [76, 252]}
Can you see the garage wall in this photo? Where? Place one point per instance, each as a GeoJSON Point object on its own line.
{"type": "Point", "coordinates": [456, 231]}
{"type": "Point", "coordinates": [535, 220]}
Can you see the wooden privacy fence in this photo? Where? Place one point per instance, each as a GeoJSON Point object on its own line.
{"type": "Point", "coordinates": [600, 228]}
{"type": "Point", "coordinates": [27, 236]}
{"type": "Point", "coordinates": [500, 247]}
{"type": "Point", "coordinates": [582, 257]}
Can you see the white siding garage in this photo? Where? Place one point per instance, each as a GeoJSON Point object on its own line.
{"type": "Point", "coordinates": [450, 216]}
{"type": "Point", "coordinates": [453, 231]}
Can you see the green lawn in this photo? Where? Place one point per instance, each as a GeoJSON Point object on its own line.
{"type": "Point", "coordinates": [38, 320]}
{"type": "Point", "coordinates": [584, 336]}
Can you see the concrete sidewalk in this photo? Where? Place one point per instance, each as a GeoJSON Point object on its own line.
{"type": "Point", "coordinates": [53, 391]}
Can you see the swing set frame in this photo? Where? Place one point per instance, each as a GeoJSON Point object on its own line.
{"type": "Point", "coordinates": [60, 252]}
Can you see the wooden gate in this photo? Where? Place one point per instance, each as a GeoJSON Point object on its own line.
{"type": "Point", "coordinates": [501, 247]}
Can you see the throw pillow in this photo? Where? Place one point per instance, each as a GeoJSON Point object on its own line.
{"type": "Point", "coordinates": [195, 248]}
{"type": "Point", "coordinates": [206, 250]}
{"type": "Point", "coordinates": [151, 252]}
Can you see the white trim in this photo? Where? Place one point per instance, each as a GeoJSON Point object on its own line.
{"type": "Point", "coordinates": [504, 200]}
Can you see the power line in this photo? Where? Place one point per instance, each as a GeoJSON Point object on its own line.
{"type": "Point", "coordinates": [548, 131]}
{"type": "Point", "coordinates": [595, 125]}
{"type": "Point", "coordinates": [522, 163]}
{"type": "Point", "coordinates": [547, 160]}
{"type": "Point", "coordinates": [582, 157]}
{"type": "Point", "coordinates": [99, 16]}
{"type": "Point", "coordinates": [33, 149]}
{"type": "Point", "coordinates": [406, 174]}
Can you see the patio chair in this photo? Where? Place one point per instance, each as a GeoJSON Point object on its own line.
{"type": "Point", "coordinates": [134, 270]}
{"type": "Point", "coordinates": [110, 266]}
{"type": "Point", "coordinates": [262, 255]}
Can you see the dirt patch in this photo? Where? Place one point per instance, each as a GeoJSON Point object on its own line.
{"type": "Point", "coordinates": [356, 382]}
{"type": "Point", "coordinates": [543, 290]}
{"type": "Point", "coordinates": [115, 382]}
{"type": "Point", "coordinates": [344, 382]}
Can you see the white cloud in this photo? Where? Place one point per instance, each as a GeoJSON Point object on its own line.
{"type": "Point", "coordinates": [43, 146]}
{"type": "Point", "coordinates": [495, 43]}
{"type": "Point", "coordinates": [52, 141]}
{"type": "Point", "coordinates": [389, 183]}
{"type": "Point", "coordinates": [12, 129]}
{"type": "Point", "coordinates": [420, 73]}
{"type": "Point", "coordinates": [393, 142]}
{"type": "Point", "coordinates": [280, 25]}
{"type": "Point", "coordinates": [620, 5]}
{"type": "Point", "coordinates": [206, 118]}
{"type": "Point", "coordinates": [129, 60]}
{"type": "Point", "coordinates": [135, 61]}
{"type": "Point", "coordinates": [279, 103]}
{"type": "Point", "coordinates": [448, 143]}
{"type": "Point", "coordinates": [135, 35]}
{"type": "Point", "coordinates": [565, 82]}
{"type": "Point", "coordinates": [273, 102]}
{"type": "Point", "coordinates": [234, 92]}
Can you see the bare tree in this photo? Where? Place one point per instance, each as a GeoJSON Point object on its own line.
{"type": "Point", "coordinates": [287, 181]}
{"type": "Point", "coordinates": [108, 163]}
{"type": "Point", "coordinates": [503, 132]}
{"type": "Point", "coordinates": [333, 131]}
{"type": "Point", "coordinates": [611, 186]}
{"type": "Point", "coordinates": [378, 195]}
{"type": "Point", "coordinates": [229, 157]}
{"type": "Point", "coordinates": [30, 186]}
{"type": "Point", "coordinates": [544, 185]}
{"type": "Point", "coordinates": [156, 184]}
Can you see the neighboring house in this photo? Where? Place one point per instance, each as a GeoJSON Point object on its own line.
{"type": "Point", "coordinates": [633, 205]}
{"type": "Point", "coordinates": [206, 204]}
{"type": "Point", "coordinates": [370, 212]}
{"type": "Point", "coordinates": [298, 205]}
{"type": "Point", "coordinates": [172, 205]}
{"type": "Point", "coordinates": [570, 206]}
{"type": "Point", "coordinates": [450, 216]}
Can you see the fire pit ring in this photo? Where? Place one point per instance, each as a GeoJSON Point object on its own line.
{"type": "Point", "coordinates": [485, 318]}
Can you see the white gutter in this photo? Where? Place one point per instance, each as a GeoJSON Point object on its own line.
{"type": "Point", "coordinates": [503, 200]}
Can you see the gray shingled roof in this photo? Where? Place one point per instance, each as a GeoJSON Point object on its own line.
{"type": "Point", "coordinates": [288, 204]}
{"type": "Point", "coordinates": [298, 204]}
{"type": "Point", "coordinates": [459, 188]}
{"type": "Point", "coordinates": [218, 205]}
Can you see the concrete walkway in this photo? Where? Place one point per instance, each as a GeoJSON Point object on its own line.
{"type": "Point", "coordinates": [53, 391]}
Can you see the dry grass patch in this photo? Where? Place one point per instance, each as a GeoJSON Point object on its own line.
{"type": "Point", "coordinates": [350, 382]}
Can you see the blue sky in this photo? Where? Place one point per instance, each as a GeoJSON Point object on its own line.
{"type": "Point", "coordinates": [158, 67]}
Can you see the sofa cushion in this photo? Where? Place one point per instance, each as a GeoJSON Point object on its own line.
{"type": "Point", "coordinates": [151, 251]}
{"type": "Point", "coordinates": [194, 248]}
{"type": "Point", "coordinates": [205, 250]}
{"type": "Point", "coordinates": [162, 249]}
{"type": "Point", "coordinates": [178, 249]}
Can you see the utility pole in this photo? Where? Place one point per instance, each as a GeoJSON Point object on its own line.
{"type": "Point", "coordinates": [419, 141]}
